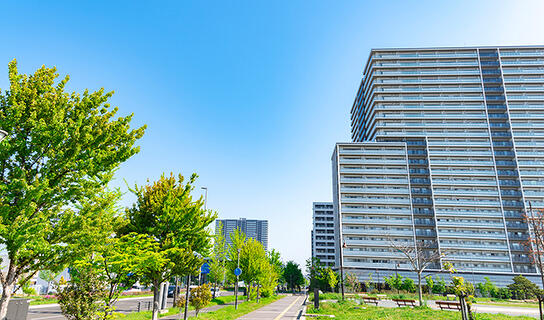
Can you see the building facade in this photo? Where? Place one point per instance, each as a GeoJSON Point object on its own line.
{"type": "Point", "coordinates": [256, 229]}
{"type": "Point", "coordinates": [323, 233]}
{"type": "Point", "coordinates": [448, 151]}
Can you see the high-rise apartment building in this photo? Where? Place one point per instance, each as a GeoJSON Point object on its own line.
{"type": "Point", "coordinates": [448, 150]}
{"type": "Point", "coordinates": [323, 233]}
{"type": "Point", "coordinates": [256, 229]}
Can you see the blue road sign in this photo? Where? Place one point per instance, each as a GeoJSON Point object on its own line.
{"type": "Point", "coordinates": [237, 272]}
{"type": "Point", "coordinates": [205, 269]}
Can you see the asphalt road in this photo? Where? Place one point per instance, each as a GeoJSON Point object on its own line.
{"type": "Point", "coordinates": [52, 312]}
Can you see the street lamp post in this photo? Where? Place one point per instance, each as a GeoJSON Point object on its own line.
{"type": "Point", "coordinates": [397, 276]}
{"type": "Point", "coordinates": [205, 197]}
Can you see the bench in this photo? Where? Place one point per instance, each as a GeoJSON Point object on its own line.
{"type": "Point", "coordinates": [449, 305]}
{"type": "Point", "coordinates": [382, 296]}
{"type": "Point", "coordinates": [373, 300]}
{"type": "Point", "coordinates": [405, 302]}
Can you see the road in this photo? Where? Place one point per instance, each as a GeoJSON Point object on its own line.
{"type": "Point", "coordinates": [52, 311]}
{"type": "Point", "coordinates": [289, 307]}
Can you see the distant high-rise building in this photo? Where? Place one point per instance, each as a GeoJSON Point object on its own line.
{"type": "Point", "coordinates": [448, 150]}
{"type": "Point", "coordinates": [323, 233]}
{"type": "Point", "coordinates": [256, 229]}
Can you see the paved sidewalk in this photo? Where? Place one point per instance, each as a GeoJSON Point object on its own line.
{"type": "Point", "coordinates": [191, 313]}
{"type": "Point", "coordinates": [289, 307]}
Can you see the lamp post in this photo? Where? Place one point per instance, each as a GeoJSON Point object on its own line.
{"type": "Point", "coordinates": [397, 276]}
{"type": "Point", "coordinates": [344, 245]}
{"type": "Point", "coordinates": [205, 197]}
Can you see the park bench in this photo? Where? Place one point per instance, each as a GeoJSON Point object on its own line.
{"type": "Point", "coordinates": [382, 296]}
{"type": "Point", "coordinates": [449, 305]}
{"type": "Point", "coordinates": [373, 300]}
{"type": "Point", "coordinates": [405, 302]}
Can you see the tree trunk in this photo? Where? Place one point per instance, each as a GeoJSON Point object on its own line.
{"type": "Point", "coordinates": [187, 292]}
{"type": "Point", "coordinates": [4, 300]}
{"type": "Point", "coordinates": [176, 291]}
{"type": "Point", "coordinates": [420, 296]}
{"type": "Point", "coordinates": [258, 292]}
{"type": "Point", "coordinates": [540, 307]}
{"type": "Point", "coordinates": [214, 289]}
{"type": "Point", "coordinates": [156, 292]}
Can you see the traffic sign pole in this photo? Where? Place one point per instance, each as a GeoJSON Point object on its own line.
{"type": "Point", "coordinates": [237, 279]}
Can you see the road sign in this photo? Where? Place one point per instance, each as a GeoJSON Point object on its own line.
{"type": "Point", "coordinates": [205, 269]}
{"type": "Point", "coordinates": [237, 272]}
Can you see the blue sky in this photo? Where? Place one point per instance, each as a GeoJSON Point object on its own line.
{"type": "Point", "coordinates": [251, 95]}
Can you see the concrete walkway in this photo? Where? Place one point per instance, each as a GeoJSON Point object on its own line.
{"type": "Point", "coordinates": [289, 307]}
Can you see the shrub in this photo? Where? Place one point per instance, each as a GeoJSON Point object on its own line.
{"type": "Point", "coordinates": [503, 293]}
{"type": "Point", "coordinates": [522, 288]}
{"type": "Point", "coordinates": [408, 285]}
{"type": "Point", "coordinates": [200, 297]}
{"type": "Point", "coordinates": [394, 281]}
{"type": "Point", "coordinates": [488, 288]}
{"type": "Point", "coordinates": [79, 300]}
{"type": "Point", "coordinates": [439, 286]}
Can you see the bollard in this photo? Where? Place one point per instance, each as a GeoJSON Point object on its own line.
{"type": "Point", "coordinates": [139, 306]}
{"type": "Point", "coordinates": [149, 305]}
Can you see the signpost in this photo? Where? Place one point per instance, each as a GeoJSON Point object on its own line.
{"type": "Point", "coordinates": [237, 273]}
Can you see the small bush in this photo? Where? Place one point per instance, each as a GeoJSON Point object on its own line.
{"type": "Point", "coordinates": [200, 297]}
{"type": "Point", "coordinates": [408, 285]}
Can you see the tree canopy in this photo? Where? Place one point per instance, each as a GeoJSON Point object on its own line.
{"type": "Point", "coordinates": [61, 151]}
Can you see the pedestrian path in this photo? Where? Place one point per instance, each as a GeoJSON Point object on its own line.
{"type": "Point", "coordinates": [289, 307]}
{"type": "Point", "coordinates": [191, 313]}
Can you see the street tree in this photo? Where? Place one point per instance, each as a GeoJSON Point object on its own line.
{"type": "Point", "coordinates": [253, 262]}
{"type": "Point", "coordinates": [535, 221]}
{"type": "Point", "coordinates": [293, 275]}
{"type": "Point", "coordinates": [61, 149]}
{"type": "Point", "coordinates": [420, 256]}
{"type": "Point", "coordinates": [167, 214]}
{"type": "Point", "coordinates": [218, 259]}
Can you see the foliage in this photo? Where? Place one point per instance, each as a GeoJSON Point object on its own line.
{"type": "Point", "coordinates": [487, 288]}
{"type": "Point", "coordinates": [200, 297]}
{"type": "Point", "coordinates": [61, 150]}
{"type": "Point", "coordinates": [218, 258]}
{"type": "Point", "coordinates": [316, 273]}
{"type": "Point", "coordinates": [395, 281]}
{"type": "Point", "coordinates": [293, 275]}
{"type": "Point", "coordinates": [253, 262]}
{"type": "Point", "coordinates": [271, 274]}
{"type": "Point", "coordinates": [408, 285]}
{"type": "Point", "coordinates": [352, 282]}
{"type": "Point", "coordinates": [331, 278]}
{"type": "Point", "coordinates": [349, 310]}
{"type": "Point", "coordinates": [79, 300]}
{"type": "Point", "coordinates": [522, 288]}
{"type": "Point", "coordinates": [174, 226]}
{"type": "Point", "coordinates": [439, 285]}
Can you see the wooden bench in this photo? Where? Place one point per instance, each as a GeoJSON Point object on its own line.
{"type": "Point", "coordinates": [405, 302]}
{"type": "Point", "coordinates": [373, 300]}
{"type": "Point", "coordinates": [448, 305]}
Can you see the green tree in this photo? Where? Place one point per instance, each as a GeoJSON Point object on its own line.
{"type": "Point", "coordinates": [487, 288]}
{"type": "Point", "coordinates": [218, 259]}
{"type": "Point", "coordinates": [523, 288]}
{"type": "Point", "coordinates": [408, 285]}
{"type": "Point", "coordinates": [430, 283]}
{"type": "Point", "coordinates": [395, 281]}
{"type": "Point", "coordinates": [62, 148]}
{"type": "Point", "coordinates": [316, 273]}
{"type": "Point", "coordinates": [253, 262]}
{"type": "Point", "coordinates": [80, 299]}
{"type": "Point", "coordinates": [274, 258]}
{"type": "Point", "coordinates": [352, 282]}
{"type": "Point", "coordinates": [439, 286]}
{"type": "Point", "coordinates": [293, 275]}
{"type": "Point", "coordinates": [200, 297]}
{"type": "Point", "coordinates": [167, 214]}
{"type": "Point", "coordinates": [331, 278]}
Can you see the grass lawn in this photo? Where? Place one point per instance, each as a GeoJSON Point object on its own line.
{"type": "Point", "coordinates": [349, 311]}
{"type": "Point", "coordinates": [38, 300]}
{"type": "Point", "coordinates": [426, 297]}
{"type": "Point", "coordinates": [144, 315]}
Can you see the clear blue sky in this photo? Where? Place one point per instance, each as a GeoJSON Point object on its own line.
{"type": "Point", "coordinates": [251, 95]}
